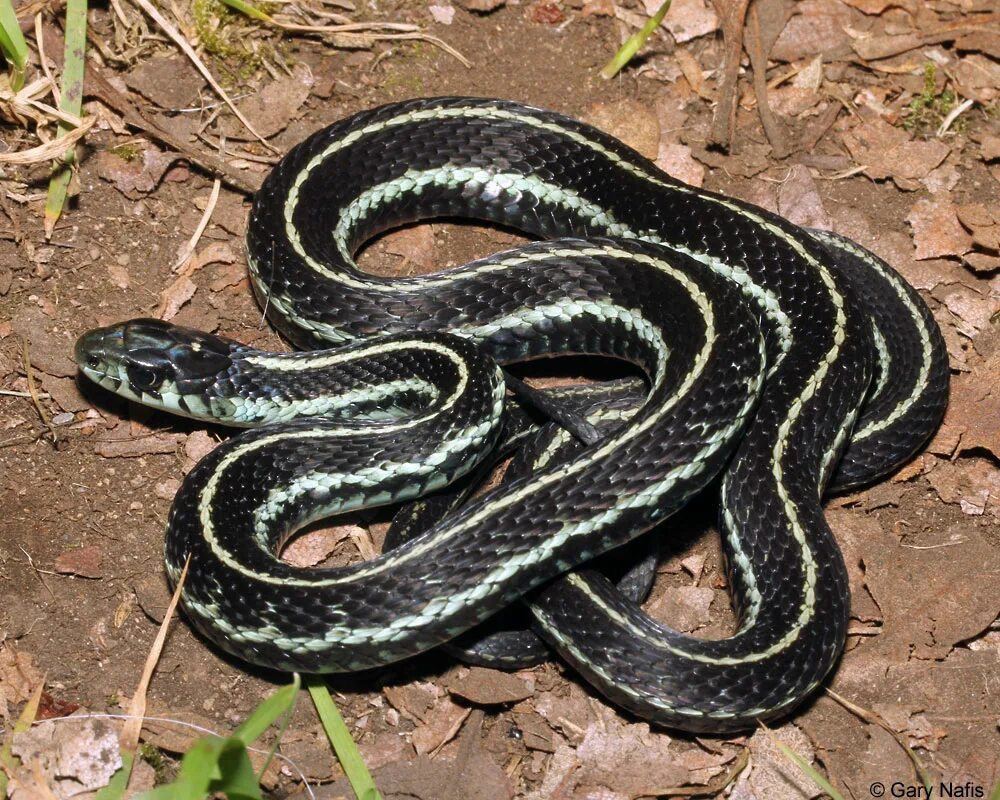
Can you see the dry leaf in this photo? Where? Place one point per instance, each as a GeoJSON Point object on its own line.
{"type": "Point", "coordinates": [83, 561]}
{"type": "Point", "coordinates": [488, 686]}
{"type": "Point", "coordinates": [685, 608]}
{"type": "Point", "coordinates": [799, 200]}
{"type": "Point", "coordinates": [74, 756]}
{"type": "Point", "coordinates": [887, 152]}
{"type": "Point", "coordinates": [633, 122]}
{"type": "Point", "coordinates": [687, 20]}
{"type": "Point", "coordinates": [936, 229]}
{"type": "Point", "coordinates": [627, 758]}
{"type": "Point", "coordinates": [443, 15]}
{"type": "Point", "coordinates": [773, 776]}
{"type": "Point", "coordinates": [676, 160]}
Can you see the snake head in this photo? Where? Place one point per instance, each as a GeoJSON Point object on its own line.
{"type": "Point", "coordinates": [155, 363]}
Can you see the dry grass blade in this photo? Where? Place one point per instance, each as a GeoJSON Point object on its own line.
{"type": "Point", "coordinates": [129, 739]}
{"type": "Point", "coordinates": [874, 719]}
{"type": "Point", "coordinates": [185, 46]}
{"type": "Point", "coordinates": [362, 32]}
{"type": "Point", "coordinates": [202, 224]}
{"type": "Point", "coordinates": [49, 150]}
{"type": "Point", "coordinates": [25, 105]}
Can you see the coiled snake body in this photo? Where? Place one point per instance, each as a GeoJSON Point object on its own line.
{"type": "Point", "coordinates": [792, 361]}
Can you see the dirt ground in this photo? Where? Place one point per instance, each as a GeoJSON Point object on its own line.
{"type": "Point", "coordinates": [86, 480]}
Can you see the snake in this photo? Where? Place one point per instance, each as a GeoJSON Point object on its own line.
{"type": "Point", "coordinates": [776, 364]}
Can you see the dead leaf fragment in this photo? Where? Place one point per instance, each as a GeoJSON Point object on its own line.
{"type": "Point", "coordinates": [799, 200]}
{"type": "Point", "coordinates": [136, 175]}
{"type": "Point", "coordinates": [627, 758]}
{"type": "Point", "coordinates": [990, 148]}
{"type": "Point", "coordinates": [949, 608]}
{"type": "Point", "coordinates": [685, 608]}
{"type": "Point", "coordinates": [488, 686]}
{"type": "Point", "coordinates": [678, 162]}
{"type": "Point", "coordinates": [443, 15]}
{"type": "Point", "coordinates": [817, 28]}
{"type": "Point", "coordinates": [633, 122]}
{"type": "Point", "coordinates": [440, 725]}
{"type": "Point", "coordinates": [83, 561]}
{"type": "Point", "coordinates": [314, 547]}
{"type": "Point", "coordinates": [974, 406]}
{"type": "Point", "coordinates": [174, 297]}
{"type": "Point", "coordinates": [171, 83]}
{"type": "Point", "coordinates": [936, 229]}
{"type": "Point", "coordinates": [18, 674]}
{"type": "Point", "coordinates": [687, 20]}
{"type": "Point", "coordinates": [119, 275]}
{"type": "Point", "coordinates": [971, 483]}
{"type": "Point", "coordinates": [273, 107]}
{"type": "Point", "coordinates": [773, 775]}
{"type": "Point", "coordinates": [888, 152]}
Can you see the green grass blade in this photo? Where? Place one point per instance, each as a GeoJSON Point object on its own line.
{"type": "Point", "coordinates": [8, 761]}
{"type": "Point", "coordinates": [237, 778]}
{"type": "Point", "coordinates": [115, 790]}
{"type": "Point", "coordinates": [995, 794]}
{"type": "Point", "coordinates": [12, 44]}
{"type": "Point", "coordinates": [213, 764]}
{"type": "Point", "coordinates": [71, 102]}
{"type": "Point", "coordinates": [249, 9]}
{"type": "Point", "coordinates": [805, 766]}
{"type": "Point", "coordinates": [268, 712]}
{"type": "Point", "coordinates": [634, 42]}
{"type": "Point", "coordinates": [343, 745]}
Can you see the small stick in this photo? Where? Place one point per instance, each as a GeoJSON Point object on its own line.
{"type": "Point", "coordinates": [758, 62]}
{"type": "Point", "coordinates": [33, 390]}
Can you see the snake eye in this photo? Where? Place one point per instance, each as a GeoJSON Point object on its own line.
{"type": "Point", "coordinates": [145, 378]}
{"type": "Point", "coordinates": [93, 362]}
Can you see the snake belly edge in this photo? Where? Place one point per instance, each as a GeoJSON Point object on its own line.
{"type": "Point", "coordinates": [792, 361]}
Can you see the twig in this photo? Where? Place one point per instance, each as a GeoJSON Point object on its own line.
{"type": "Point", "coordinates": [732, 14]}
{"type": "Point", "coordinates": [33, 390]}
{"type": "Point", "coordinates": [758, 63]}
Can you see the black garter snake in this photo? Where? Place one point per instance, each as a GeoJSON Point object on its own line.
{"type": "Point", "coordinates": [792, 361]}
